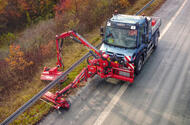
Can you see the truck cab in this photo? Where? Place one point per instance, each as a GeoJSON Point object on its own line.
{"type": "Point", "coordinates": [130, 36]}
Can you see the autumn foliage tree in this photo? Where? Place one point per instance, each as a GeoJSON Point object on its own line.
{"type": "Point", "coordinates": [18, 68]}
{"type": "Point", "coordinates": [84, 15]}
{"type": "Point", "coordinates": [14, 14]}
{"type": "Point", "coordinates": [16, 60]}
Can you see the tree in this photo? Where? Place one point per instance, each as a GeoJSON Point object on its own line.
{"type": "Point", "coordinates": [16, 60]}
{"type": "Point", "coordinates": [15, 14]}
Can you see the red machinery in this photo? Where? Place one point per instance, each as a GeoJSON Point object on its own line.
{"type": "Point", "coordinates": [101, 64]}
{"type": "Point", "coordinates": [51, 74]}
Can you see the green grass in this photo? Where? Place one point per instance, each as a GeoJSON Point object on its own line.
{"type": "Point", "coordinates": [38, 110]}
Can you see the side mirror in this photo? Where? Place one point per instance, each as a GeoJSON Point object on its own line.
{"type": "Point", "coordinates": [102, 31]}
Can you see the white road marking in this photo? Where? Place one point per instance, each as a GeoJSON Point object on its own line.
{"type": "Point", "coordinates": [124, 87]}
{"type": "Point", "coordinates": [172, 20]}
{"type": "Point", "coordinates": [110, 106]}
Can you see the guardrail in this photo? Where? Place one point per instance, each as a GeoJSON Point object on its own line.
{"type": "Point", "coordinates": [147, 5]}
{"type": "Point", "coordinates": [53, 83]}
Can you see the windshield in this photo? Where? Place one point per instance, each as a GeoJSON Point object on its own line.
{"type": "Point", "coordinates": [121, 37]}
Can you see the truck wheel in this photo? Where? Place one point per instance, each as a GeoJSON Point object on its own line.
{"type": "Point", "coordinates": [139, 65]}
{"type": "Point", "coordinates": [156, 41]}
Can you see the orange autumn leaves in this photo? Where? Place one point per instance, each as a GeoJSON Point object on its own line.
{"type": "Point", "coordinates": [16, 59]}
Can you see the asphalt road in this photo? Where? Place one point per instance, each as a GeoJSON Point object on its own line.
{"type": "Point", "coordinates": [160, 95]}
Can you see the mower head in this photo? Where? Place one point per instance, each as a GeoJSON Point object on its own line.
{"type": "Point", "coordinates": [60, 103]}
{"type": "Point", "coordinates": [51, 74]}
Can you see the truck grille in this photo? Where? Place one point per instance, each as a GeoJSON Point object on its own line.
{"type": "Point", "coordinates": [115, 56]}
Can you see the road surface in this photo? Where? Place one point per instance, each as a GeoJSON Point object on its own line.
{"type": "Point", "coordinates": [160, 95]}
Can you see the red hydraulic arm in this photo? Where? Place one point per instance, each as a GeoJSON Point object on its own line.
{"type": "Point", "coordinates": [57, 98]}
{"type": "Point", "coordinates": [52, 73]}
{"type": "Point", "coordinates": [101, 65]}
{"type": "Point", "coordinates": [78, 38]}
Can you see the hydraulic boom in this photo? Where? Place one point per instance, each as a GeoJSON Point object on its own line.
{"type": "Point", "coordinates": [101, 64]}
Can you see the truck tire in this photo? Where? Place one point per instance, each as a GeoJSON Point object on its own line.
{"type": "Point", "coordinates": [156, 41]}
{"type": "Point", "coordinates": [139, 64]}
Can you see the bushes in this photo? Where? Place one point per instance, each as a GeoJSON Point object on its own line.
{"type": "Point", "coordinates": [15, 14]}
{"type": "Point", "coordinates": [7, 39]}
{"type": "Point", "coordinates": [21, 64]}
{"type": "Point", "coordinates": [16, 61]}
{"type": "Point", "coordinates": [87, 14]}
{"type": "Point", "coordinates": [15, 69]}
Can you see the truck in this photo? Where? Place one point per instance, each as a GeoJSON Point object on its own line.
{"type": "Point", "coordinates": [127, 42]}
{"type": "Point", "coordinates": [134, 37]}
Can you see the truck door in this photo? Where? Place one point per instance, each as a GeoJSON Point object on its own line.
{"type": "Point", "coordinates": [141, 32]}
{"type": "Point", "coordinates": [148, 32]}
